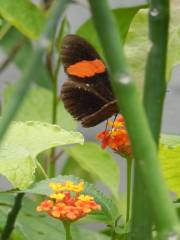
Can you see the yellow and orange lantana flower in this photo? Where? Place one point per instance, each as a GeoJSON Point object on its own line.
{"type": "Point", "coordinates": [116, 138]}
{"type": "Point", "coordinates": [66, 203]}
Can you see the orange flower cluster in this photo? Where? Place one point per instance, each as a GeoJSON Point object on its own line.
{"type": "Point", "coordinates": [116, 138]}
{"type": "Point", "coordinates": [66, 203]}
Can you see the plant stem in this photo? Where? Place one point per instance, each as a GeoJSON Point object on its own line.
{"type": "Point", "coordinates": [67, 227]}
{"type": "Point", "coordinates": [155, 77]}
{"type": "Point", "coordinates": [24, 83]}
{"type": "Point", "coordinates": [54, 77]}
{"type": "Point", "coordinates": [141, 226]}
{"type": "Point", "coordinates": [55, 101]}
{"type": "Point", "coordinates": [11, 219]}
{"type": "Point", "coordinates": [52, 163]}
{"type": "Point", "coordinates": [144, 148]}
{"type": "Point", "coordinates": [129, 171]}
{"type": "Point", "coordinates": [154, 92]}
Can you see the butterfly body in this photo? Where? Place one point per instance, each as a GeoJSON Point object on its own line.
{"type": "Point", "coordinates": [87, 93]}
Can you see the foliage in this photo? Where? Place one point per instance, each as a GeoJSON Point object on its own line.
{"type": "Point", "coordinates": [23, 142]}
{"type": "Point", "coordinates": [31, 36]}
{"type": "Point", "coordinates": [170, 161]}
{"type": "Point", "coordinates": [32, 20]}
{"type": "Point", "coordinates": [97, 162]}
{"type": "Point", "coordinates": [28, 220]}
{"type": "Point", "coordinates": [123, 16]}
{"type": "Point", "coordinates": [38, 107]}
{"type": "Point", "coordinates": [13, 40]}
{"type": "Point", "coordinates": [137, 43]}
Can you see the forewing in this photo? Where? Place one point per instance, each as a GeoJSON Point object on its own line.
{"type": "Point", "coordinates": [75, 51]}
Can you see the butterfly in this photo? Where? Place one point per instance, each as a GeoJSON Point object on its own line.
{"type": "Point", "coordinates": [87, 94]}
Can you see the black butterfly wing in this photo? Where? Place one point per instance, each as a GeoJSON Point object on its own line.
{"type": "Point", "coordinates": [75, 49]}
{"type": "Point", "coordinates": [88, 98]}
{"type": "Point", "coordinates": [86, 105]}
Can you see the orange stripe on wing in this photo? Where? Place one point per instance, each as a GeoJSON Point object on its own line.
{"type": "Point", "coordinates": [86, 68]}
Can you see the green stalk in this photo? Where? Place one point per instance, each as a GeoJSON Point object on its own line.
{"type": "Point", "coordinates": [144, 148]}
{"type": "Point", "coordinates": [154, 92]}
{"type": "Point", "coordinates": [141, 225]}
{"type": "Point", "coordinates": [54, 77]}
{"type": "Point", "coordinates": [129, 171]}
{"type": "Point", "coordinates": [40, 172]}
{"type": "Point", "coordinates": [155, 77]}
{"type": "Point", "coordinates": [11, 219]}
{"type": "Point", "coordinates": [67, 227]}
{"type": "Point", "coordinates": [25, 81]}
{"type": "Point", "coordinates": [52, 164]}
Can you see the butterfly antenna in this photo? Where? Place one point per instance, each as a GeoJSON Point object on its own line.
{"type": "Point", "coordinates": [106, 124]}
{"type": "Point", "coordinates": [114, 119]}
{"type": "Point", "coordinates": [114, 122]}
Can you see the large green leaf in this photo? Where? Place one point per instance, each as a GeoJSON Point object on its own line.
{"type": "Point", "coordinates": [35, 226]}
{"type": "Point", "coordinates": [137, 42]}
{"type": "Point", "coordinates": [24, 15]}
{"type": "Point", "coordinates": [170, 161]}
{"type": "Point", "coordinates": [37, 106]}
{"type": "Point", "coordinates": [14, 40]}
{"type": "Point", "coordinates": [97, 162]}
{"type": "Point", "coordinates": [123, 17]}
{"type": "Point", "coordinates": [23, 142]}
{"type": "Point", "coordinates": [109, 211]}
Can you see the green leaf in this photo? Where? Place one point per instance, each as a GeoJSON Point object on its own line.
{"type": "Point", "coordinates": [109, 211]}
{"type": "Point", "coordinates": [170, 140]}
{"type": "Point", "coordinates": [123, 17]}
{"type": "Point", "coordinates": [24, 15]}
{"type": "Point", "coordinates": [97, 162]}
{"type": "Point", "coordinates": [37, 106]}
{"type": "Point", "coordinates": [23, 142]}
{"type": "Point", "coordinates": [137, 42]}
{"type": "Point", "coordinates": [13, 40]}
{"type": "Point", "coordinates": [35, 226]}
{"type": "Point", "coordinates": [170, 161]}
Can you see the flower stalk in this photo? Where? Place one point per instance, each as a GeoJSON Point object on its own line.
{"type": "Point", "coordinates": [67, 227]}
{"type": "Point", "coordinates": [143, 145]}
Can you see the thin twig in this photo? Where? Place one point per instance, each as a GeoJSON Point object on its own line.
{"type": "Point", "coordinates": [12, 54]}
{"type": "Point", "coordinates": [57, 156]}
